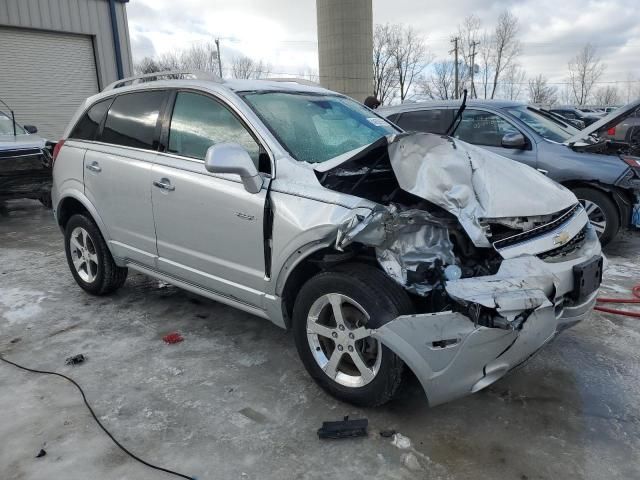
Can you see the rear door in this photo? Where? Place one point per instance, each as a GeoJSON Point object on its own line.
{"type": "Point", "coordinates": [209, 228]}
{"type": "Point", "coordinates": [118, 173]}
{"type": "Point", "coordinates": [486, 129]}
{"type": "Point", "coordinates": [433, 120]}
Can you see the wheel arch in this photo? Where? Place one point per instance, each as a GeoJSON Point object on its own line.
{"type": "Point", "coordinates": [73, 202]}
{"type": "Point", "coordinates": [617, 196]}
{"type": "Point", "coordinates": [303, 264]}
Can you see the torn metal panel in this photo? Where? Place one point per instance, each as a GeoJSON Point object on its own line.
{"type": "Point", "coordinates": [473, 183]}
{"type": "Point", "coordinates": [452, 357]}
{"type": "Point", "coordinates": [408, 244]}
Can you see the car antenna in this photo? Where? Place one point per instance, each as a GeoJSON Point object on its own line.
{"type": "Point", "coordinates": [458, 118]}
{"type": "Point", "coordinates": [13, 116]}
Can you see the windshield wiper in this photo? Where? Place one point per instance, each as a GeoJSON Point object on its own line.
{"type": "Point", "coordinates": [458, 118]}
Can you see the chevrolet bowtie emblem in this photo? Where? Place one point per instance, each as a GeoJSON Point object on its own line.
{"type": "Point", "coordinates": [561, 238]}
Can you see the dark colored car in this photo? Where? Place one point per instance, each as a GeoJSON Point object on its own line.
{"type": "Point", "coordinates": [571, 113]}
{"type": "Point", "coordinates": [25, 162]}
{"type": "Point", "coordinates": [604, 175]}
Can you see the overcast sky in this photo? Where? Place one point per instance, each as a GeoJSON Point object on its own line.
{"type": "Point", "coordinates": [283, 32]}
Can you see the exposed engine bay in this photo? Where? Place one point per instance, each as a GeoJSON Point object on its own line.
{"type": "Point", "coordinates": [442, 217]}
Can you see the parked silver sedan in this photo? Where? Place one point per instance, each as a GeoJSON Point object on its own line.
{"type": "Point", "coordinates": [380, 249]}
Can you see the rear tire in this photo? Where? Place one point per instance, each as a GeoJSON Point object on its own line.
{"type": "Point", "coordinates": [366, 373]}
{"type": "Point", "coordinates": [89, 258]}
{"type": "Point", "coordinates": [603, 213]}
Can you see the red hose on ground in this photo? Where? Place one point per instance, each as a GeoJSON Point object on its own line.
{"type": "Point", "coordinates": [636, 293]}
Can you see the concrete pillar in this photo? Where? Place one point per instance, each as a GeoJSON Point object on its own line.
{"type": "Point", "coordinates": [345, 46]}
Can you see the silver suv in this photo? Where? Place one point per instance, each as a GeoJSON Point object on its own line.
{"type": "Point", "coordinates": [379, 249]}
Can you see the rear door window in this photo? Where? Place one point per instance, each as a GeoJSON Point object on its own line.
{"type": "Point", "coordinates": [88, 126]}
{"type": "Point", "coordinates": [435, 120]}
{"type": "Point", "coordinates": [480, 127]}
{"type": "Point", "coordinates": [131, 121]}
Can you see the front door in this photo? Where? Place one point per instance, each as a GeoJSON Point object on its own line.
{"type": "Point", "coordinates": [209, 228]}
{"type": "Point", "coordinates": [486, 129]}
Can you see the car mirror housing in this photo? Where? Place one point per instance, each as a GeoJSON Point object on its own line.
{"type": "Point", "coordinates": [233, 158]}
{"type": "Point", "coordinates": [514, 140]}
{"type": "Point", "coordinates": [31, 128]}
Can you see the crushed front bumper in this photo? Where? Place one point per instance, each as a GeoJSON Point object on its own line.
{"type": "Point", "coordinates": [453, 355]}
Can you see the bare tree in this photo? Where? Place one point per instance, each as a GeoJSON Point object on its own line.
{"type": "Point", "coordinates": [200, 56]}
{"type": "Point", "coordinates": [169, 61]}
{"type": "Point", "coordinates": [246, 68]}
{"type": "Point", "coordinates": [585, 69]}
{"type": "Point", "coordinates": [146, 65]}
{"type": "Point", "coordinates": [410, 56]}
{"type": "Point", "coordinates": [469, 34]}
{"type": "Point", "coordinates": [441, 83]}
{"type": "Point", "coordinates": [506, 46]}
{"type": "Point", "coordinates": [385, 75]}
{"type": "Point", "coordinates": [513, 82]}
{"type": "Point", "coordinates": [607, 96]}
{"type": "Point", "coordinates": [485, 57]}
{"type": "Point", "coordinates": [540, 93]}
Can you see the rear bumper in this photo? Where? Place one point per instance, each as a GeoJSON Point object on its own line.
{"type": "Point", "coordinates": [452, 355]}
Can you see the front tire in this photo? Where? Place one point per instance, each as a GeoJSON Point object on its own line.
{"type": "Point", "coordinates": [332, 315]}
{"type": "Point", "coordinates": [602, 212]}
{"type": "Point", "coordinates": [89, 258]}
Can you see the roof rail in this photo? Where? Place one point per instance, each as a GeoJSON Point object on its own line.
{"type": "Point", "coordinates": [168, 75]}
{"type": "Point", "coordinates": [301, 81]}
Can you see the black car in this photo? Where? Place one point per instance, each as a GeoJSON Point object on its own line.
{"type": "Point", "coordinates": [571, 113]}
{"type": "Point", "coordinates": [25, 162]}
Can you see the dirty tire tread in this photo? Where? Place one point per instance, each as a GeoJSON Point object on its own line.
{"type": "Point", "coordinates": [383, 296]}
{"type": "Point", "coordinates": [608, 207]}
{"type": "Point", "coordinates": [110, 277]}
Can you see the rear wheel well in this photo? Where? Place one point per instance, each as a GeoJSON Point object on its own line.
{"type": "Point", "coordinates": [315, 263]}
{"type": "Point", "coordinates": [67, 208]}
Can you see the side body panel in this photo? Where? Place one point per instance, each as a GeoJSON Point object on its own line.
{"type": "Point", "coordinates": [209, 229]}
{"type": "Point", "coordinates": [118, 183]}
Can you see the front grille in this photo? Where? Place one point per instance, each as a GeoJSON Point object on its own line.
{"type": "Point", "coordinates": [569, 247]}
{"type": "Point", "coordinates": [22, 152]}
{"type": "Point", "coordinates": [537, 231]}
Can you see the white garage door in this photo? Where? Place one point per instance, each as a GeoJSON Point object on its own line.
{"type": "Point", "coordinates": [44, 77]}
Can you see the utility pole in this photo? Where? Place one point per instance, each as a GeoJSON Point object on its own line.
{"type": "Point", "coordinates": [455, 50]}
{"type": "Point", "coordinates": [219, 58]}
{"type": "Point", "coordinates": [473, 67]}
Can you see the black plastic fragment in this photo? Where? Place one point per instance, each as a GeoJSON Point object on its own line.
{"type": "Point", "coordinates": [41, 453]}
{"type": "Point", "coordinates": [344, 428]}
{"type": "Point", "coordinates": [387, 433]}
{"type": "Point", "coordinates": [75, 360]}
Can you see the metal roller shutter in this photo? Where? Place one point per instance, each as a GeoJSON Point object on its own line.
{"type": "Point", "coordinates": [45, 76]}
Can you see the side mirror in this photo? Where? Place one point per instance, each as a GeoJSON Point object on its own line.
{"type": "Point", "coordinates": [514, 140]}
{"type": "Point", "coordinates": [31, 128]}
{"type": "Point", "coordinates": [232, 158]}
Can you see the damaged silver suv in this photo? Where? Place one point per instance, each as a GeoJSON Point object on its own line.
{"type": "Point", "coordinates": [380, 249]}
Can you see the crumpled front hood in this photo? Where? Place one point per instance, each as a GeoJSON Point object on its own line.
{"type": "Point", "coordinates": [473, 183]}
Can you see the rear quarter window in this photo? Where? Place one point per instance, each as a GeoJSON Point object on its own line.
{"type": "Point", "coordinates": [132, 118]}
{"type": "Point", "coordinates": [88, 125]}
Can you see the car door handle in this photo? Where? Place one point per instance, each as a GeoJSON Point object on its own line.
{"type": "Point", "coordinates": [164, 184]}
{"type": "Point", "coordinates": [94, 167]}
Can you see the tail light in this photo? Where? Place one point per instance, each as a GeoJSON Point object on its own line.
{"type": "Point", "coordinates": [611, 132]}
{"type": "Point", "coordinates": [633, 162]}
{"type": "Point", "coordinates": [56, 149]}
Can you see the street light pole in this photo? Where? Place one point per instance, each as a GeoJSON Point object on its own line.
{"type": "Point", "coordinates": [219, 58]}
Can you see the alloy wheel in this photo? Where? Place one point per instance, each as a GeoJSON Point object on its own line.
{"type": "Point", "coordinates": [596, 215]}
{"type": "Point", "coordinates": [340, 341]}
{"type": "Point", "coordinates": [83, 254]}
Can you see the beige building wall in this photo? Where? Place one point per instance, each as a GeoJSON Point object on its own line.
{"type": "Point", "coordinates": [345, 46]}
